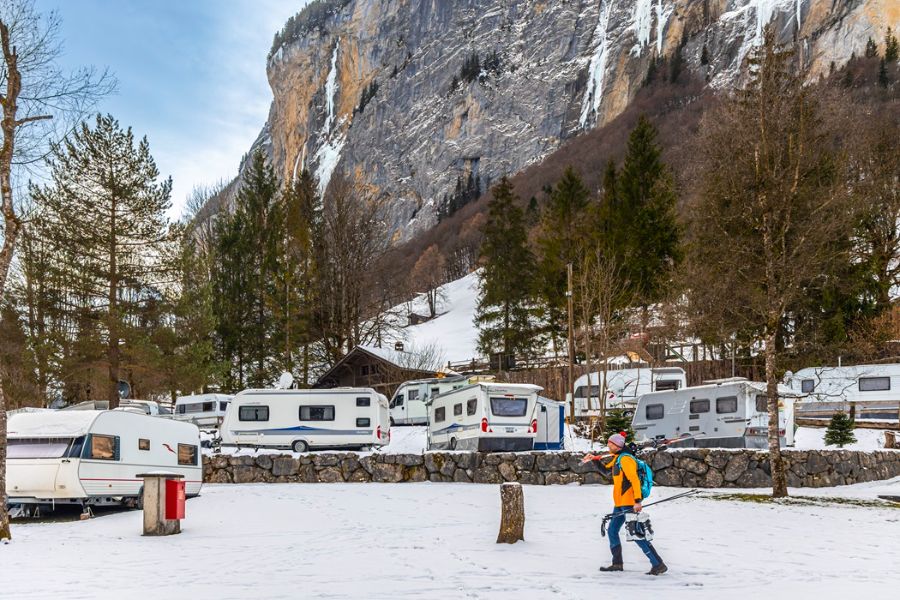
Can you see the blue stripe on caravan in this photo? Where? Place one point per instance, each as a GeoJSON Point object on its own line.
{"type": "Point", "coordinates": [306, 431]}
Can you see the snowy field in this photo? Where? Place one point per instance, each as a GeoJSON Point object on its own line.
{"type": "Point", "coordinates": [437, 541]}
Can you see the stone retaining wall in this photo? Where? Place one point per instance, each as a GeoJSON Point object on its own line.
{"type": "Point", "coordinates": [681, 468]}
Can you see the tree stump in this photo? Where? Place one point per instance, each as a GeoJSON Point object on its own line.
{"type": "Point", "coordinates": [890, 439]}
{"type": "Point", "coordinates": [512, 516]}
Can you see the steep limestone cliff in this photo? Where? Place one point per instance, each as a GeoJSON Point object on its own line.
{"type": "Point", "coordinates": [389, 90]}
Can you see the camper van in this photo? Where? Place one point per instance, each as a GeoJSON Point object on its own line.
{"type": "Point", "coordinates": [729, 414]}
{"type": "Point", "coordinates": [92, 458]}
{"type": "Point", "coordinates": [855, 383]}
{"type": "Point", "coordinates": [487, 417]}
{"type": "Point", "coordinates": [305, 420]}
{"type": "Point", "coordinates": [624, 387]}
{"type": "Point", "coordinates": [408, 406]}
{"type": "Point", "coordinates": [206, 411]}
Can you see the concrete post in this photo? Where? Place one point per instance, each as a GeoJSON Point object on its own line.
{"type": "Point", "coordinates": [155, 522]}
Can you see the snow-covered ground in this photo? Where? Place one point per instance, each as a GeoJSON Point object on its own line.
{"type": "Point", "coordinates": [437, 541]}
{"type": "Point", "coordinates": [813, 438]}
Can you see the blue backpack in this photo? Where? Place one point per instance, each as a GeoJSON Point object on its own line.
{"type": "Point", "coordinates": [645, 473]}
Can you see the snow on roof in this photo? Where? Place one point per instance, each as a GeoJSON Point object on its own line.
{"type": "Point", "coordinates": [57, 423]}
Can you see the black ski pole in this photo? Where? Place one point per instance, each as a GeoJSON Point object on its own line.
{"type": "Point", "coordinates": [675, 497]}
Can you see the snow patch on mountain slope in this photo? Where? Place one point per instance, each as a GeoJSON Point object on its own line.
{"type": "Point", "coordinates": [593, 94]}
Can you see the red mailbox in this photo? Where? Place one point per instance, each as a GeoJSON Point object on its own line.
{"type": "Point", "coordinates": [175, 497]}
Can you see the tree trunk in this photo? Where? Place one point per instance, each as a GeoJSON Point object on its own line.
{"type": "Point", "coordinates": [512, 516]}
{"type": "Point", "coordinates": [776, 462]}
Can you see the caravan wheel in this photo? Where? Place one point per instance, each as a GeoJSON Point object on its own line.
{"type": "Point", "coordinates": [300, 446]}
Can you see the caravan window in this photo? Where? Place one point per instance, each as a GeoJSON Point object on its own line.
{"type": "Point", "coordinates": [143, 444]}
{"type": "Point", "coordinates": [364, 401]}
{"type": "Point", "coordinates": [509, 407]}
{"type": "Point", "coordinates": [440, 414]}
{"type": "Point", "coordinates": [413, 395]}
{"type": "Point", "coordinates": [700, 406]}
{"type": "Point", "coordinates": [874, 384]}
{"type": "Point", "coordinates": [223, 406]}
{"type": "Point", "coordinates": [457, 409]}
{"type": "Point", "coordinates": [807, 386]}
{"type": "Point", "coordinates": [655, 412]}
{"type": "Point", "coordinates": [37, 447]}
{"type": "Point", "coordinates": [187, 455]}
{"type": "Point", "coordinates": [103, 447]}
{"type": "Point", "coordinates": [317, 413]}
{"type": "Point", "coordinates": [253, 413]}
{"type": "Point", "coordinates": [726, 405]}
{"type": "Point", "coordinates": [363, 422]}
{"type": "Point", "coordinates": [398, 401]}
{"type": "Point", "coordinates": [435, 391]}
{"type": "Point", "coordinates": [582, 391]}
{"type": "Point", "coordinates": [471, 405]}
{"type": "Point", "coordinates": [666, 384]}
{"type": "Point", "coordinates": [762, 403]}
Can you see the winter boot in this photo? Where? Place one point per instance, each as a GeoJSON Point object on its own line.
{"type": "Point", "coordinates": [658, 569]}
{"type": "Point", "coordinates": [616, 560]}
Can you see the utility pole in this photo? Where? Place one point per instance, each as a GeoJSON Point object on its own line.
{"type": "Point", "coordinates": [571, 305]}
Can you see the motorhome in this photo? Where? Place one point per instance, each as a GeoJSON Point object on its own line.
{"type": "Point", "coordinates": [487, 417]}
{"type": "Point", "coordinates": [624, 387]}
{"type": "Point", "coordinates": [728, 414]}
{"type": "Point", "coordinates": [408, 405]}
{"type": "Point", "coordinates": [846, 383]}
{"type": "Point", "coordinates": [91, 458]}
{"type": "Point", "coordinates": [307, 419]}
{"type": "Point", "coordinates": [206, 411]}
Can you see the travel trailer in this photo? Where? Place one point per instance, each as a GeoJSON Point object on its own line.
{"type": "Point", "coordinates": [855, 383]}
{"type": "Point", "coordinates": [408, 406]}
{"type": "Point", "coordinates": [729, 414]}
{"type": "Point", "coordinates": [93, 458]}
{"type": "Point", "coordinates": [206, 411]}
{"type": "Point", "coordinates": [624, 387]}
{"type": "Point", "coordinates": [487, 417]}
{"type": "Point", "coordinates": [305, 420]}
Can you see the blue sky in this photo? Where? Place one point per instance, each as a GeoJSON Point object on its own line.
{"type": "Point", "coordinates": [191, 75]}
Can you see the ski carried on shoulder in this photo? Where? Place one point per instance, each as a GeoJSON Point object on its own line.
{"type": "Point", "coordinates": [644, 446]}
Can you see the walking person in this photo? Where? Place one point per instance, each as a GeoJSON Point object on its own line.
{"type": "Point", "coordinates": [626, 499]}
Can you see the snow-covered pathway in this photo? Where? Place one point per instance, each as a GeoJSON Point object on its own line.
{"type": "Point", "coordinates": [436, 541]}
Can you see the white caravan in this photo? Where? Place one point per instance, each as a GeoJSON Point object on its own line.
{"type": "Point", "coordinates": [88, 457]}
{"type": "Point", "coordinates": [408, 406]}
{"type": "Point", "coordinates": [730, 414]}
{"type": "Point", "coordinates": [307, 419]}
{"type": "Point", "coordinates": [206, 411]}
{"type": "Point", "coordinates": [624, 387]}
{"type": "Point", "coordinates": [855, 383]}
{"type": "Point", "coordinates": [148, 407]}
{"type": "Point", "coordinates": [487, 417]}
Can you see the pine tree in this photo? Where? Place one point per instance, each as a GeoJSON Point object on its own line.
{"type": "Point", "coordinates": [891, 47]}
{"type": "Point", "coordinates": [648, 236]}
{"type": "Point", "coordinates": [616, 421]}
{"type": "Point", "coordinates": [840, 430]}
{"type": "Point", "coordinates": [871, 48]}
{"type": "Point", "coordinates": [106, 216]}
{"type": "Point", "coordinates": [506, 307]}
{"type": "Point", "coordinates": [883, 80]}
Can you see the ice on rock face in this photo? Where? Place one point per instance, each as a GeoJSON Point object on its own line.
{"type": "Point", "coordinates": [593, 94]}
{"type": "Point", "coordinates": [331, 88]}
{"type": "Point", "coordinates": [328, 156]}
{"type": "Point", "coordinates": [329, 153]}
{"type": "Point", "coordinates": [662, 19]}
{"type": "Point", "coordinates": [642, 24]}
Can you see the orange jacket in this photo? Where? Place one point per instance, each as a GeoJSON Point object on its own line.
{"type": "Point", "coordinates": [626, 483]}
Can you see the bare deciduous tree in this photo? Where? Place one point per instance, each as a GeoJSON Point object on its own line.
{"type": "Point", "coordinates": [38, 100]}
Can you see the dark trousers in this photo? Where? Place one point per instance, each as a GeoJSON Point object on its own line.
{"type": "Point", "coordinates": [615, 525]}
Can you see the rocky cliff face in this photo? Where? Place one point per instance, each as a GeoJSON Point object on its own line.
{"type": "Point", "coordinates": [416, 95]}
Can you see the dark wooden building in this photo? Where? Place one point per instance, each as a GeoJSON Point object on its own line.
{"type": "Point", "coordinates": [383, 369]}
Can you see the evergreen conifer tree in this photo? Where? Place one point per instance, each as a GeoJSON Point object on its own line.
{"type": "Point", "coordinates": [882, 74]}
{"type": "Point", "coordinates": [840, 430]}
{"type": "Point", "coordinates": [506, 308]}
{"type": "Point", "coordinates": [871, 48]}
{"type": "Point", "coordinates": [891, 47]}
{"type": "Point", "coordinates": [616, 421]}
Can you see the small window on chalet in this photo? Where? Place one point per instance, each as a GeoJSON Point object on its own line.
{"type": "Point", "coordinates": [700, 406]}
{"type": "Point", "coordinates": [655, 412]}
{"type": "Point", "coordinates": [364, 401]}
{"type": "Point", "coordinates": [317, 413]}
{"type": "Point", "coordinates": [440, 415]}
{"type": "Point", "coordinates": [457, 409]}
{"type": "Point", "coordinates": [726, 405]}
{"type": "Point", "coordinates": [762, 403]}
{"type": "Point", "coordinates": [187, 455]}
{"type": "Point", "coordinates": [874, 384]}
{"type": "Point", "coordinates": [364, 370]}
{"type": "Point", "coordinates": [103, 447]}
{"type": "Point", "coordinates": [143, 444]}
{"type": "Point", "coordinates": [471, 406]}
{"type": "Point", "coordinates": [363, 422]}
{"type": "Point", "coordinates": [807, 386]}
{"type": "Point", "coordinates": [253, 413]}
